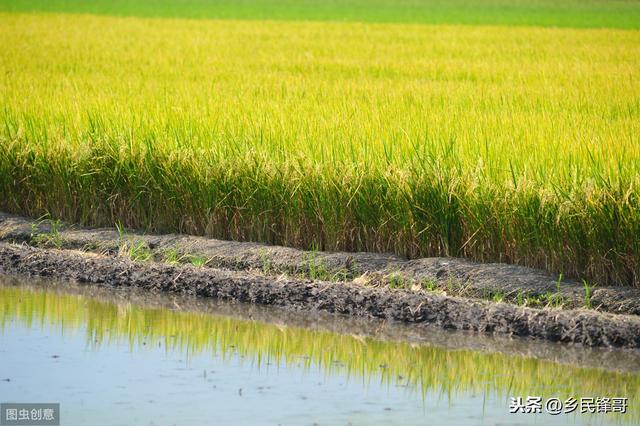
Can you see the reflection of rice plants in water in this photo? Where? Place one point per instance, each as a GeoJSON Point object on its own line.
{"type": "Point", "coordinates": [421, 368]}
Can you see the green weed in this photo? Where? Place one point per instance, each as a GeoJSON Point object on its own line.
{"type": "Point", "coordinates": [51, 238]}
{"type": "Point", "coordinates": [198, 260]}
{"type": "Point", "coordinates": [429, 284]}
{"type": "Point", "coordinates": [266, 261]}
{"type": "Point", "coordinates": [138, 251]}
{"type": "Point", "coordinates": [316, 270]}
{"type": "Point", "coordinates": [172, 256]}
{"type": "Point", "coordinates": [497, 296]}
{"type": "Point", "coordinates": [398, 281]}
{"type": "Point", "coordinates": [588, 292]}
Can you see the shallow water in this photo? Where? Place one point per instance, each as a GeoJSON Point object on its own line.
{"type": "Point", "coordinates": [124, 357]}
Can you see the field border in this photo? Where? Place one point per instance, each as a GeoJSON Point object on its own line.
{"type": "Point", "coordinates": [303, 293]}
{"type": "Point", "coordinates": [498, 282]}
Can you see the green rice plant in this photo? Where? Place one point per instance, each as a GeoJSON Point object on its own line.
{"type": "Point", "coordinates": [495, 143]}
{"type": "Point", "coordinates": [568, 13]}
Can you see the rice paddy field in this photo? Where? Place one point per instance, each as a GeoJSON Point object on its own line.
{"type": "Point", "coordinates": [490, 129]}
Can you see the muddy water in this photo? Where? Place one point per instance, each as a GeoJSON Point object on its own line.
{"type": "Point", "coordinates": [122, 357]}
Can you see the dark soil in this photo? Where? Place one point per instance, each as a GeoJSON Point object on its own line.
{"type": "Point", "coordinates": [452, 275]}
{"type": "Point", "coordinates": [572, 326]}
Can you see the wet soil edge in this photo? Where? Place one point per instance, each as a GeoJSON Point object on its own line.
{"type": "Point", "coordinates": [453, 276]}
{"type": "Point", "coordinates": [570, 326]}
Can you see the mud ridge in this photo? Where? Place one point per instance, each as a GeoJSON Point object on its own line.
{"type": "Point", "coordinates": [452, 276]}
{"type": "Point", "coordinates": [571, 326]}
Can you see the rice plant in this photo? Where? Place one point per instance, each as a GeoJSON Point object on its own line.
{"type": "Point", "coordinates": [503, 143]}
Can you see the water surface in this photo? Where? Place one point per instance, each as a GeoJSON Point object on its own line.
{"type": "Point", "coordinates": [125, 357]}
